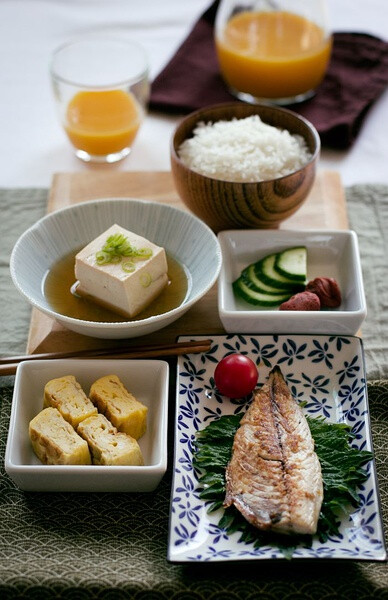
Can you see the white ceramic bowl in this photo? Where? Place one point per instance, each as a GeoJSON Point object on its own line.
{"type": "Point", "coordinates": [146, 379]}
{"type": "Point", "coordinates": [185, 237]}
{"type": "Point", "coordinates": [329, 254]}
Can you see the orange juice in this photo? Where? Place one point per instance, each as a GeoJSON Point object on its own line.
{"type": "Point", "coordinates": [272, 54]}
{"type": "Point", "coordinates": [102, 122]}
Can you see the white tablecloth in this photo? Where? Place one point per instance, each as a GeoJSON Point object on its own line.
{"type": "Point", "coordinates": [33, 145]}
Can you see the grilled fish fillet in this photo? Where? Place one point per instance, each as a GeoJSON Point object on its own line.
{"type": "Point", "coordinates": [274, 476]}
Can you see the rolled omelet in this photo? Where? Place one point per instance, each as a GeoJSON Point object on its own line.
{"type": "Point", "coordinates": [54, 440]}
{"type": "Point", "coordinates": [119, 406]}
{"type": "Point", "coordinates": [66, 394]}
{"type": "Point", "coordinates": [107, 445]}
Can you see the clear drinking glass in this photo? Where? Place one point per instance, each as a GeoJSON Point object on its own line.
{"type": "Point", "coordinates": [101, 89]}
{"type": "Point", "coordinates": [273, 50]}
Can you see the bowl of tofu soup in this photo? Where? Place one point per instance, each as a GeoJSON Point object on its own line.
{"type": "Point", "coordinates": [116, 268]}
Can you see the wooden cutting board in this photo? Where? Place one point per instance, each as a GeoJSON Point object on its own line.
{"type": "Point", "coordinates": [325, 208]}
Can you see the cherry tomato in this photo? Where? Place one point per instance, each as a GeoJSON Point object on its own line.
{"type": "Point", "coordinates": [235, 376]}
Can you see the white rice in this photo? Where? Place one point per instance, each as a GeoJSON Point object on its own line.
{"type": "Point", "coordinates": [243, 150]}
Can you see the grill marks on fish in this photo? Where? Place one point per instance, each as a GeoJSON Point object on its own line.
{"type": "Point", "coordinates": [274, 476]}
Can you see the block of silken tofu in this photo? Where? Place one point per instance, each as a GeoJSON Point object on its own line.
{"type": "Point", "coordinates": [107, 445]}
{"type": "Point", "coordinates": [67, 395]}
{"type": "Point", "coordinates": [120, 406]}
{"type": "Point", "coordinates": [55, 442]}
{"type": "Point", "coordinates": [109, 284]}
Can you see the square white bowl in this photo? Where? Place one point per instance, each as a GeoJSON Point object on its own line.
{"type": "Point", "coordinates": [330, 253]}
{"type": "Point", "coordinates": [146, 379]}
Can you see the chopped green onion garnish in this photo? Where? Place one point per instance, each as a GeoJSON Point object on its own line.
{"type": "Point", "coordinates": [117, 243]}
{"type": "Point", "coordinates": [103, 258]}
{"type": "Point", "coordinates": [116, 247]}
{"type": "Point", "coordinates": [128, 266]}
{"type": "Point", "coordinates": [144, 253]}
{"type": "Point", "coordinates": [145, 279]}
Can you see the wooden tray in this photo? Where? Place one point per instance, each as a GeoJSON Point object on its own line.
{"type": "Point", "coordinates": [325, 208]}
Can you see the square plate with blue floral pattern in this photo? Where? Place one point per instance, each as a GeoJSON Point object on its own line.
{"type": "Point", "coordinates": [328, 374]}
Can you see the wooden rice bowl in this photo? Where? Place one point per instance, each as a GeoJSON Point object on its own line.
{"type": "Point", "coordinates": [236, 205]}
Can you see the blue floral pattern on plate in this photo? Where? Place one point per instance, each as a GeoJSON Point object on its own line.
{"type": "Point", "coordinates": [327, 373]}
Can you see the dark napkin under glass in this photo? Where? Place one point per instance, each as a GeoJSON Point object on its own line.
{"type": "Point", "coordinates": [356, 76]}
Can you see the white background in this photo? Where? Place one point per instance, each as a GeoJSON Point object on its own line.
{"type": "Point", "coordinates": [33, 145]}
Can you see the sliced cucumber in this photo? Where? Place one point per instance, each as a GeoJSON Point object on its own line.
{"type": "Point", "coordinates": [241, 288]}
{"type": "Point", "coordinates": [256, 283]}
{"type": "Point", "coordinates": [273, 279]}
{"type": "Point", "coordinates": [292, 263]}
{"type": "Point", "coordinates": [266, 272]}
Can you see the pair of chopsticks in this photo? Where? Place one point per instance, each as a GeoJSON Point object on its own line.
{"type": "Point", "coordinates": [8, 364]}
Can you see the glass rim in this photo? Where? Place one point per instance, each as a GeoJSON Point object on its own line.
{"type": "Point", "coordinates": [142, 73]}
{"type": "Point", "coordinates": [222, 16]}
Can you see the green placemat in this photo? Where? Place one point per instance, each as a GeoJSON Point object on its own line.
{"type": "Point", "coordinates": [113, 546]}
{"type": "Point", "coordinates": [368, 216]}
{"type": "Point", "coordinates": [19, 209]}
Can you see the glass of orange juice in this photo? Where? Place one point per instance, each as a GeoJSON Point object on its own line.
{"type": "Point", "coordinates": [273, 50]}
{"type": "Point", "coordinates": [101, 88]}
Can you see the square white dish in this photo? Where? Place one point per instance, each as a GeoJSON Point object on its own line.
{"type": "Point", "coordinates": [328, 373]}
{"type": "Point", "coordinates": [329, 254]}
{"type": "Point", "coordinates": [146, 379]}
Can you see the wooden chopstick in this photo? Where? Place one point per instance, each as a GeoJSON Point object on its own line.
{"type": "Point", "coordinates": [8, 365]}
{"type": "Point", "coordinates": [105, 351]}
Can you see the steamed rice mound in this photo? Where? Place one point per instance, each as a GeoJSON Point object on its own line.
{"type": "Point", "coordinates": [243, 150]}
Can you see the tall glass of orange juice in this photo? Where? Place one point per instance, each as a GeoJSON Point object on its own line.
{"type": "Point", "coordinates": [273, 50]}
{"type": "Point", "coordinates": [101, 89]}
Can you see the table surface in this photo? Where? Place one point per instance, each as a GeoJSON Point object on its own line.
{"type": "Point", "coordinates": [105, 546]}
{"type": "Point", "coordinates": [324, 208]}
{"type": "Point", "coordinates": [34, 146]}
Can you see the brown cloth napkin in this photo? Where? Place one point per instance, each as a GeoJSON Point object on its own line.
{"type": "Point", "coordinates": [357, 75]}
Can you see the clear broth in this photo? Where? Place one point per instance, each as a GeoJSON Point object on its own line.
{"type": "Point", "coordinates": [60, 279]}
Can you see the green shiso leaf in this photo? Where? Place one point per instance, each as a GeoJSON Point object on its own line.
{"type": "Point", "coordinates": [342, 473]}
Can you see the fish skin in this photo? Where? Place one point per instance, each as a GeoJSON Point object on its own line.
{"type": "Point", "coordinates": [274, 476]}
